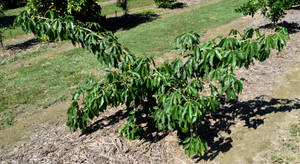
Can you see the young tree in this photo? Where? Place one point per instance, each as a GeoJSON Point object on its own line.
{"type": "Point", "coordinates": [165, 3]}
{"type": "Point", "coordinates": [169, 97]}
{"type": "Point", "coordinates": [274, 10]}
{"type": "Point", "coordinates": [123, 4]}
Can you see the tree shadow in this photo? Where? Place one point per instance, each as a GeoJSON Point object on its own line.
{"type": "Point", "coordinates": [296, 7]}
{"type": "Point", "coordinates": [151, 133]}
{"type": "Point", "coordinates": [179, 5]}
{"type": "Point", "coordinates": [126, 22]}
{"type": "Point", "coordinates": [291, 27]}
{"type": "Point", "coordinates": [250, 112]}
{"type": "Point", "coordinates": [106, 121]}
{"type": "Point", "coordinates": [7, 21]}
{"type": "Point", "coordinates": [24, 45]}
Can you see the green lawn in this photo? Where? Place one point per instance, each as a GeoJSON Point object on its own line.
{"type": "Point", "coordinates": [13, 32]}
{"type": "Point", "coordinates": [47, 80]}
{"type": "Point", "coordinates": [157, 37]}
{"type": "Point", "coordinates": [56, 77]}
{"type": "Point", "coordinates": [14, 11]}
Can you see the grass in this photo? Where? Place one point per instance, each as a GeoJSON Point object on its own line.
{"type": "Point", "coordinates": [47, 80]}
{"type": "Point", "coordinates": [102, 0]}
{"type": "Point", "coordinates": [146, 11]}
{"type": "Point", "coordinates": [14, 11]}
{"type": "Point", "coordinates": [56, 77]}
{"type": "Point", "coordinates": [111, 8]}
{"type": "Point", "coordinates": [289, 150]}
{"type": "Point", "coordinates": [13, 32]}
{"type": "Point", "coordinates": [156, 38]}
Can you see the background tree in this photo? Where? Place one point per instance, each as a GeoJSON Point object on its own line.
{"type": "Point", "coordinates": [165, 3]}
{"type": "Point", "coordinates": [123, 4]}
{"type": "Point", "coordinates": [273, 10]}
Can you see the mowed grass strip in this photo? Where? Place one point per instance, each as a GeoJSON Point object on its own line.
{"type": "Point", "coordinates": [156, 38]}
{"type": "Point", "coordinates": [14, 11]}
{"type": "Point", "coordinates": [43, 82]}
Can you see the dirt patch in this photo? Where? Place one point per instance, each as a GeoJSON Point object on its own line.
{"type": "Point", "coordinates": [23, 129]}
{"type": "Point", "coordinates": [245, 130]}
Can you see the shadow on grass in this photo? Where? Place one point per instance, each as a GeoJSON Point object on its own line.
{"type": "Point", "coordinates": [296, 7]}
{"type": "Point", "coordinates": [23, 46]}
{"type": "Point", "coordinates": [250, 112]}
{"type": "Point", "coordinates": [7, 21]}
{"type": "Point", "coordinates": [291, 27]}
{"type": "Point", "coordinates": [129, 21]}
{"type": "Point", "coordinates": [179, 5]}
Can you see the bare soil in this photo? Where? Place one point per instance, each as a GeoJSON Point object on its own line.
{"type": "Point", "coordinates": [245, 131]}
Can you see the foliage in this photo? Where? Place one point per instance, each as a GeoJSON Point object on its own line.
{"type": "Point", "coordinates": [273, 10]}
{"type": "Point", "coordinates": [175, 95]}
{"type": "Point", "coordinates": [165, 3]}
{"type": "Point", "coordinates": [81, 10]}
{"type": "Point", "coordinates": [63, 15]}
{"type": "Point", "coordinates": [103, 44]}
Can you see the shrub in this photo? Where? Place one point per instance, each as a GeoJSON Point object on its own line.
{"type": "Point", "coordinates": [82, 10]}
{"type": "Point", "coordinates": [165, 3]}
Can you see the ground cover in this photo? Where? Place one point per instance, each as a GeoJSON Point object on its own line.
{"type": "Point", "coordinates": [57, 75]}
{"type": "Point", "coordinates": [156, 38]}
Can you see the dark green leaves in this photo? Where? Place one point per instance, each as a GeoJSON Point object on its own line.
{"type": "Point", "coordinates": [56, 28]}
{"type": "Point", "coordinates": [194, 146]}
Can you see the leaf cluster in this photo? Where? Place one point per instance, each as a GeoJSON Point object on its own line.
{"type": "Point", "coordinates": [54, 28]}
{"type": "Point", "coordinates": [165, 3]}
